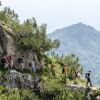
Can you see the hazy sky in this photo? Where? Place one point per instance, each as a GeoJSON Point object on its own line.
{"type": "Point", "coordinates": [58, 13]}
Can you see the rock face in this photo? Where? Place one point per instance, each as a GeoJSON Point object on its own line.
{"type": "Point", "coordinates": [8, 47]}
{"type": "Point", "coordinates": [1, 51]}
{"type": "Point", "coordinates": [6, 42]}
{"type": "Point", "coordinates": [14, 79]}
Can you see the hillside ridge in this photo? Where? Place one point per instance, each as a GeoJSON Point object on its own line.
{"type": "Point", "coordinates": [82, 40]}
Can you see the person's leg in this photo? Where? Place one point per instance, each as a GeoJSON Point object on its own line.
{"type": "Point", "coordinates": [65, 79]}
{"type": "Point", "coordinates": [11, 64]}
{"type": "Point", "coordinates": [87, 82]}
{"type": "Point", "coordinates": [6, 65]}
{"type": "Point", "coordinates": [30, 68]}
{"type": "Point", "coordinates": [90, 83]}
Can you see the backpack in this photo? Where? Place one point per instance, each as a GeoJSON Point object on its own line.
{"type": "Point", "coordinates": [86, 75]}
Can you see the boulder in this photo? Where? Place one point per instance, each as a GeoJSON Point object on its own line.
{"type": "Point", "coordinates": [98, 98]}
{"type": "Point", "coordinates": [14, 79]}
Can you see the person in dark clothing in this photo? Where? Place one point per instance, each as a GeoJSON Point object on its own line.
{"type": "Point", "coordinates": [88, 78]}
{"type": "Point", "coordinates": [3, 61]}
{"type": "Point", "coordinates": [7, 61]}
{"type": "Point", "coordinates": [21, 62]}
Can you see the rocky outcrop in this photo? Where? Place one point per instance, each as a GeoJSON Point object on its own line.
{"type": "Point", "coordinates": [8, 47]}
{"type": "Point", "coordinates": [14, 79]}
{"type": "Point", "coordinates": [6, 41]}
{"type": "Point", "coordinates": [91, 92]}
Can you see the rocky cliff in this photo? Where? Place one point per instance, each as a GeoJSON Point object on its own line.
{"type": "Point", "coordinates": [8, 47]}
{"type": "Point", "coordinates": [6, 40]}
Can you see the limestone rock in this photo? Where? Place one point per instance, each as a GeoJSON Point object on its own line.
{"type": "Point", "coordinates": [8, 47]}
{"type": "Point", "coordinates": [14, 79]}
{"type": "Point", "coordinates": [6, 42]}
{"type": "Point", "coordinates": [98, 98]}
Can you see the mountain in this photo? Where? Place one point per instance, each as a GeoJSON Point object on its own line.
{"type": "Point", "coordinates": [84, 41]}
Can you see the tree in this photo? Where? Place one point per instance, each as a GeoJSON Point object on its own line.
{"type": "Point", "coordinates": [73, 64]}
{"type": "Point", "coordinates": [10, 18]}
{"type": "Point", "coordinates": [29, 35]}
{"type": "Point", "coordinates": [34, 37]}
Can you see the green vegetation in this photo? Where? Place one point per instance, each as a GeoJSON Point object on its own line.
{"type": "Point", "coordinates": [55, 94]}
{"type": "Point", "coordinates": [10, 19]}
{"type": "Point", "coordinates": [16, 94]}
{"type": "Point", "coordinates": [27, 35]}
{"type": "Point", "coordinates": [54, 89]}
{"type": "Point", "coordinates": [31, 36]}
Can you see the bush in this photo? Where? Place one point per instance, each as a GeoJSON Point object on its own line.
{"type": "Point", "coordinates": [53, 89]}
{"type": "Point", "coordinates": [19, 95]}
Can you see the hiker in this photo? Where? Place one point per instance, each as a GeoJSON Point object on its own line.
{"type": "Point", "coordinates": [10, 61]}
{"type": "Point", "coordinates": [7, 61]}
{"type": "Point", "coordinates": [76, 73]}
{"type": "Point", "coordinates": [64, 72]}
{"type": "Point", "coordinates": [87, 76]}
{"type": "Point", "coordinates": [32, 66]}
{"type": "Point", "coordinates": [4, 62]}
{"type": "Point", "coordinates": [20, 61]}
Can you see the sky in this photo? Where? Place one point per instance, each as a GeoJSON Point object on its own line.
{"type": "Point", "coordinates": [57, 13]}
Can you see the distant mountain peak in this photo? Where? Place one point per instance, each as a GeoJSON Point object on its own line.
{"type": "Point", "coordinates": [79, 25]}
{"type": "Point", "coordinates": [82, 25]}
